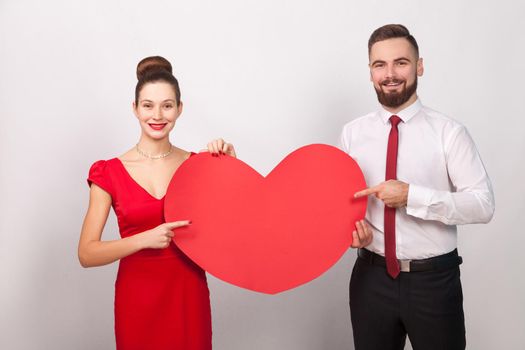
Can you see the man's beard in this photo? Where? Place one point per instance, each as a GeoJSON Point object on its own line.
{"type": "Point", "coordinates": [395, 99]}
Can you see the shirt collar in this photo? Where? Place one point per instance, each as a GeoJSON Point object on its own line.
{"type": "Point", "coordinates": [405, 115]}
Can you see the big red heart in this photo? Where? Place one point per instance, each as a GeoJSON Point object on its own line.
{"type": "Point", "coordinates": [267, 234]}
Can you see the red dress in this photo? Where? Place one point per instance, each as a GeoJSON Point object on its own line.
{"type": "Point", "coordinates": [161, 297]}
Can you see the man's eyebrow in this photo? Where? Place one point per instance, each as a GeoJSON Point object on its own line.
{"type": "Point", "coordinates": [395, 60]}
{"type": "Point", "coordinates": [377, 61]}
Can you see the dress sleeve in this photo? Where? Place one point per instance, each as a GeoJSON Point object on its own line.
{"type": "Point", "coordinates": [98, 175]}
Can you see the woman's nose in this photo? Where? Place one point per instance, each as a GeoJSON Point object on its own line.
{"type": "Point", "coordinates": [157, 115]}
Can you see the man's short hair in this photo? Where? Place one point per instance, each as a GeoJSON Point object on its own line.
{"type": "Point", "coordinates": [391, 31]}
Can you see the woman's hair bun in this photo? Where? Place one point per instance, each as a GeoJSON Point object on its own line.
{"type": "Point", "coordinates": [153, 64]}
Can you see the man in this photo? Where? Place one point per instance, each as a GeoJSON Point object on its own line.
{"type": "Point", "coordinates": [407, 280]}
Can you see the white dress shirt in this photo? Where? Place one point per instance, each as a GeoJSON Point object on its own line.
{"type": "Point", "coordinates": [448, 184]}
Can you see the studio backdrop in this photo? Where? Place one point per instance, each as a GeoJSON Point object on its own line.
{"type": "Point", "coordinates": [268, 76]}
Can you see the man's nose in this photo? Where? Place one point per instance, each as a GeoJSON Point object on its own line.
{"type": "Point", "coordinates": [390, 71]}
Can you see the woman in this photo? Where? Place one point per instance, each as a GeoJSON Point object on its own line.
{"type": "Point", "coordinates": [161, 297]}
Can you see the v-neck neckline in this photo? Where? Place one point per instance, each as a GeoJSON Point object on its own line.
{"type": "Point", "coordinates": [140, 186]}
{"type": "Point", "coordinates": [137, 184]}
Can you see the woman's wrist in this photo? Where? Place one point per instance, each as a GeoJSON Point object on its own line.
{"type": "Point", "coordinates": [138, 241]}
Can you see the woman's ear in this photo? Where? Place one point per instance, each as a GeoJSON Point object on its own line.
{"type": "Point", "coordinates": [134, 107]}
{"type": "Point", "coordinates": [179, 107]}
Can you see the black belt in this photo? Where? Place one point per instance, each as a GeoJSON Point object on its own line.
{"type": "Point", "coordinates": [440, 262]}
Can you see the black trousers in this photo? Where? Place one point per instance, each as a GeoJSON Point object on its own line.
{"type": "Point", "coordinates": [426, 306]}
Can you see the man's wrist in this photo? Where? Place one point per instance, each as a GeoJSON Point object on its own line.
{"type": "Point", "coordinates": [406, 189]}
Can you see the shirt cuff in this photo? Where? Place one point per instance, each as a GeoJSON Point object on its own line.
{"type": "Point", "coordinates": [419, 200]}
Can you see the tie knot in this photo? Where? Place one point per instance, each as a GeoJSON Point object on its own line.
{"type": "Point", "coordinates": [394, 120]}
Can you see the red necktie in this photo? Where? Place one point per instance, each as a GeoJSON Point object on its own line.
{"type": "Point", "coordinates": [392, 265]}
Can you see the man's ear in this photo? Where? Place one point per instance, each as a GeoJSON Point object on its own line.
{"type": "Point", "coordinates": [419, 68]}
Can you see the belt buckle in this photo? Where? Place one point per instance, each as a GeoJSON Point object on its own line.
{"type": "Point", "coordinates": [404, 265]}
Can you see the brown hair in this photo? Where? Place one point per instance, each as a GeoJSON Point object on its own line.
{"type": "Point", "coordinates": [154, 69]}
{"type": "Point", "coordinates": [391, 31]}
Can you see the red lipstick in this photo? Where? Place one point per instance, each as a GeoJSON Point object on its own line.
{"type": "Point", "coordinates": [157, 126]}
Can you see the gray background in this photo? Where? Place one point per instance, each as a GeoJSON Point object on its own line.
{"type": "Point", "coordinates": [269, 76]}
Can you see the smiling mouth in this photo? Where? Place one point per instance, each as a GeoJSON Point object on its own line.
{"type": "Point", "coordinates": [392, 83]}
{"type": "Point", "coordinates": [157, 126]}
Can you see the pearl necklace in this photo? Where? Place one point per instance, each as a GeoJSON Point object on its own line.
{"type": "Point", "coordinates": [159, 156]}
